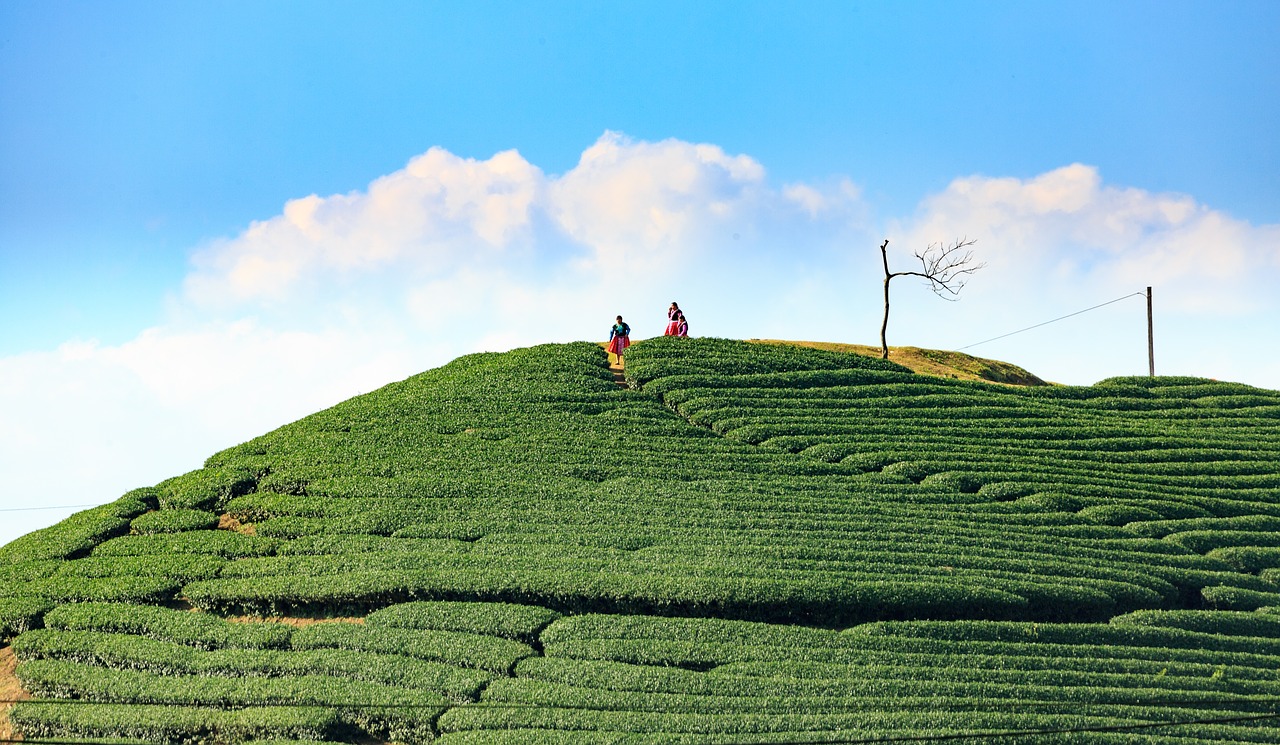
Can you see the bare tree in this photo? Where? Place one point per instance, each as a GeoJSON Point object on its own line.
{"type": "Point", "coordinates": [946, 267]}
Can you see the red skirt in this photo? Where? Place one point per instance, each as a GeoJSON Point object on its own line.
{"type": "Point", "coordinates": [618, 343]}
{"type": "Point", "coordinates": [673, 329]}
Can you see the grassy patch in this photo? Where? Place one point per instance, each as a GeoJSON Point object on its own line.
{"type": "Point", "coordinates": [937, 362]}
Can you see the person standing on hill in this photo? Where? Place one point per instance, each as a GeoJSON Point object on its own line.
{"type": "Point", "coordinates": [673, 314]}
{"type": "Point", "coordinates": [682, 326]}
{"type": "Point", "coordinates": [619, 339]}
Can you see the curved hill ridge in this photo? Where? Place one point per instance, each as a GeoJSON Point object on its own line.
{"type": "Point", "coordinates": [750, 543]}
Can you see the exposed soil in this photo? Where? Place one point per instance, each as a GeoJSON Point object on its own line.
{"type": "Point", "coordinates": [227, 522]}
{"type": "Point", "coordinates": [10, 690]}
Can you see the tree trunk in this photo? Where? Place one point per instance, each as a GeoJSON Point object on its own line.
{"type": "Point", "coordinates": [884, 325]}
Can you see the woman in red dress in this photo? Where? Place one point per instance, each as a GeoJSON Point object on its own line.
{"type": "Point", "coordinates": [673, 320]}
{"type": "Point", "coordinates": [619, 339]}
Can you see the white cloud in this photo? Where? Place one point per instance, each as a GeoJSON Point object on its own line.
{"type": "Point", "coordinates": [1064, 240]}
{"type": "Point", "coordinates": [649, 203]}
{"type": "Point", "coordinates": [425, 217]}
{"type": "Point", "coordinates": [626, 206]}
{"type": "Point", "coordinates": [1067, 226]}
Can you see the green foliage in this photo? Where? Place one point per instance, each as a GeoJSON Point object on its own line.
{"type": "Point", "coordinates": [664, 356]}
{"type": "Point", "coordinates": [709, 643]}
{"type": "Point", "coordinates": [180, 568]}
{"type": "Point", "coordinates": [1117, 514]}
{"type": "Point", "coordinates": [1248, 558]}
{"type": "Point", "coordinates": [710, 680]}
{"type": "Point", "coordinates": [380, 710]}
{"type": "Point", "coordinates": [78, 534]}
{"type": "Point", "coordinates": [1238, 598]}
{"type": "Point", "coordinates": [194, 629]}
{"type": "Point", "coordinates": [455, 648]}
{"type": "Point", "coordinates": [172, 723]}
{"type": "Point", "coordinates": [110, 589]}
{"type": "Point", "coordinates": [175, 520]}
{"type": "Point", "coordinates": [206, 488]}
{"type": "Point", "coordinates": [19, 614]}
{"type": "Point", "coordinates": [125, 651]}
{"type": "Point", "coordinates": [519, 622]}
{"type": "Point", "coordinates": [223, 543]}
{"type": "Point", "coordinates": [1204, 541]}
{"type": "Point", "coordinates": [1231, 623]}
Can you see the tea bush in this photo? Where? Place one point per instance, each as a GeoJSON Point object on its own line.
{"type": "Point", "coordinates": [173, 521]}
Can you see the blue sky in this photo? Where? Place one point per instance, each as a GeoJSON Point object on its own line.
{"type": "Point", "coordinates": [470, 176]}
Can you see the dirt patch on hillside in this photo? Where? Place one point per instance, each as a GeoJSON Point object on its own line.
{"type": "Point", "coordinates": [227, 522]}
{"type": "Point", "coordinates": [10, 690]}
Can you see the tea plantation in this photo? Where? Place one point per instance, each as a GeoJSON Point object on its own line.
{"type": "Point", "coordinates": [747, 544]}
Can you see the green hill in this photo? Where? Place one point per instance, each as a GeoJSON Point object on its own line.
{"type": "Point", "coordinates": [748, 543]}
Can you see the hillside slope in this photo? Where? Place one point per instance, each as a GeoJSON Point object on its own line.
{"type": "Point", "coordinates": [749, 543]}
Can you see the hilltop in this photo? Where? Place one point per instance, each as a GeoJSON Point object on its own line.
{"type": "Point", "coordinates": [937, 362]}
{"type": "Point", "coordinates": [746, 543]}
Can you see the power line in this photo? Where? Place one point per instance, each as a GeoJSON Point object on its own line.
{"type": "Point", "coordinates": [60, 507]}
{"type": "Point", "coordinates": [1046, 323]}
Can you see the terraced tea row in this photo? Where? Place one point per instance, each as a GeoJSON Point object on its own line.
{"type": "Point", "coordinates": [701, 680]}
{"type": "Point", "coordinates": [162, 675]}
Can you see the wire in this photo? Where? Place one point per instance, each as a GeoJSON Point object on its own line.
{"type": "Point", "coordinates": [60, 507]}
{"type": "Point", "coordinates": [1046, 323]}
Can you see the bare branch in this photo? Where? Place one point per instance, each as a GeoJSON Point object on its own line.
{"type": "Point", "coordinates": [945, 266]}
{"type": "Point", "coordinates": [948, 266]}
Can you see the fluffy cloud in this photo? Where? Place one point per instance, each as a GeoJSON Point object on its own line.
{"type": "Point", "coordinates": [647, 203]}
{"type": "Point", "coordinates": [1067, 227]}
{"type": "Point", "coordinates": [1064, 240]}
{"type": "Point", "coordinates": [435, 212]}
{"type": "Point", "coordinates": [638, 207]}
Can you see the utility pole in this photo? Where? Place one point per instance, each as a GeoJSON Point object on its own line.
{"type": "Point", "coordinates": [1151, 339]}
